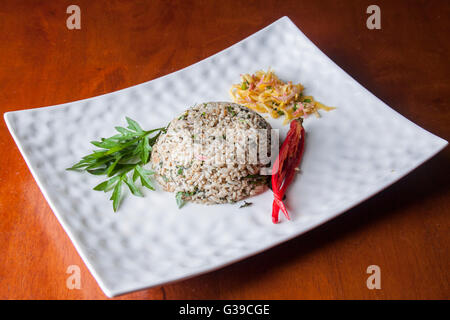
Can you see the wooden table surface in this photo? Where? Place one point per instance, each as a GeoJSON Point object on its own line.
{"type": "Point", "coordinates": [404, 229]}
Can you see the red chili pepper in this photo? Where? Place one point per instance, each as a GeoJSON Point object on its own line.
{"type": "Point", "coordinates": [283, 171]}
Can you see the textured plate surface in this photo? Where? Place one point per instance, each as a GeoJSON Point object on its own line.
{"type": "Point", "coordinates": [351, 154]}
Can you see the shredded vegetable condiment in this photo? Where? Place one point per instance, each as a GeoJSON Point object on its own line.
{"type": "Point", "coordinates": [264, 92]}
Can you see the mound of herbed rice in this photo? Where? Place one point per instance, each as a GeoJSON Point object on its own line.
{"type": "Point", "coordinates": [208, 154]}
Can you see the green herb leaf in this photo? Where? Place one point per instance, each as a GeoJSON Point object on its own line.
{"type": "Point", "coordinates": [134, 190]}
{"type": "Point", "coordinates": [133, 125]}
{"type": "Point", "coordinates": [147, 172]}
{"type": "Point", "coordinates": [231, 110]}
{"type": "Point", "coordinates": [98, 172]}
{"type": "Point", "coordinates": [135, 175]}
{"type": "Point", "coordinates": [125, 132]}
{"type": "Point", "coordinates": [146, 149]}
{"type": "Point", "coordinates": [112, 166]}
{"type": "Point", "coordinates": [181, 195]}
{"type": "Point", "coordinates": [183, 116]}
{"type": "Point", "coordinates": [144, 179]}
{"type": "Point", "coordinates": [179, 198]}
{"type": "Point", "coordinates": [116, 195]}
{"type": "Point", "coordinates": [107, 185]}
{"type": "Point", "coordinates": [78, 166]}
{"type": "Point", "coordinates": [101, 186]}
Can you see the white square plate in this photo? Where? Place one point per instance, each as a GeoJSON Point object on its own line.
{"type": "Point", "coordinates": [351, 154]}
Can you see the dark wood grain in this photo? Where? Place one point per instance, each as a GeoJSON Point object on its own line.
{"type": "Point", "coordinates": [404, 230]}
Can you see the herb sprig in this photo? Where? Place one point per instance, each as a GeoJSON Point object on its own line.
{"type": "Point", "coordinates": [180, 197]}
{"type": "Point", "coordinates": [119, 156]}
